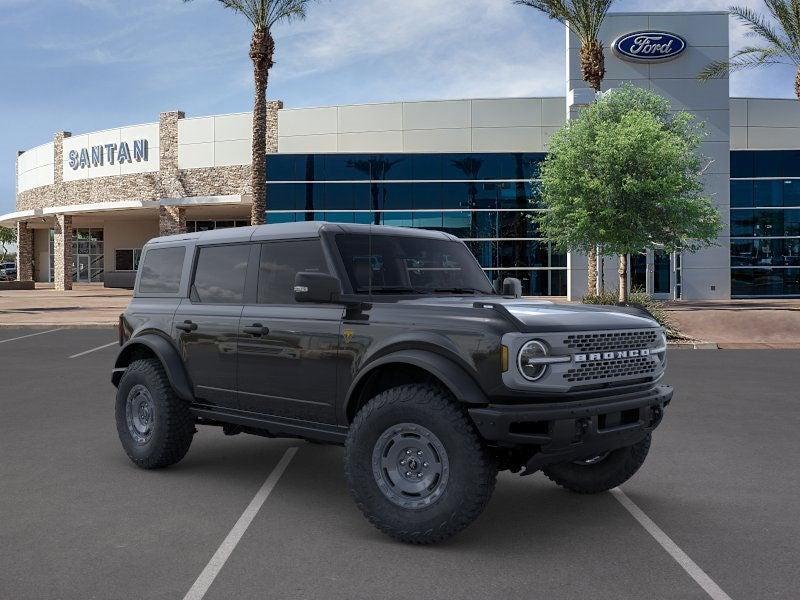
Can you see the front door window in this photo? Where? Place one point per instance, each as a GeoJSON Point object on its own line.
{"type": "Point", "coordinates": [83, 269]}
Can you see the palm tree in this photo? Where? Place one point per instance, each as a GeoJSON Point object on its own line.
{"type": "Point", "coordinates": [779, 42]}
{"type": "Point", "coordinates": [263, 15]}
{"type": "Point", "coordinates": [584, 19]}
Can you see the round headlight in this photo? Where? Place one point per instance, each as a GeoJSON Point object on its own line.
{"type": "Point", "coordinates": [527, 363]}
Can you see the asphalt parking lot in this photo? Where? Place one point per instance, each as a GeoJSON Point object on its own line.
{"type": "Point", "coordinates": [78, 520]}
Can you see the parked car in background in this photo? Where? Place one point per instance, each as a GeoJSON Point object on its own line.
{"type": "Point", "coordinates": [8, 271]}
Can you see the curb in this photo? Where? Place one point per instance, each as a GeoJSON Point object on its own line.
{"type": "Point", "coordinates": [693, 345]}
{"type": "Point", "coordinates": [40, 325]}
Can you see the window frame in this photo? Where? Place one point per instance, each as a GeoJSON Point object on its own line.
{"type": "Point", "coordinates": [133, 260]}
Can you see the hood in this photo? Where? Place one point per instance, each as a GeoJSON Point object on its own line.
{"type": "Point", "coordinates": [541, 315]}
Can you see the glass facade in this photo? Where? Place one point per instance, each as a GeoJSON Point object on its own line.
{"type": "Point", "coordinates": [765, 223]}
{"type": "Point", "coordinates": [486, 199]}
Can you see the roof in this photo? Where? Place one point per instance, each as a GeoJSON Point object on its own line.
{"type": "Point", "coordinates": [295, 230]}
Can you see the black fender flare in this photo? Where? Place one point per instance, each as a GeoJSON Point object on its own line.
{"type": "Point", "coordinates": [453, 376]}
{"type": "Point", "coordinates": [166, 353]}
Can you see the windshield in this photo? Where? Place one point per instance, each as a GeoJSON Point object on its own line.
{"type": "Point", "coordinates": [388, 264]}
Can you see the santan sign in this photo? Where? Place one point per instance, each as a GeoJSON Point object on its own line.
{"type": "Point", "coordinates": [97, 156]}
{"type": "Point", "coordinates": [649, 46]}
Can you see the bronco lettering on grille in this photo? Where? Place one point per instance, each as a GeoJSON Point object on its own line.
{"type": "Point", "coordinates": [611, 355]}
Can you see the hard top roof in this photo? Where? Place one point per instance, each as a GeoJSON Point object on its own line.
{"type": "Point", "coordinates": [293, 230]}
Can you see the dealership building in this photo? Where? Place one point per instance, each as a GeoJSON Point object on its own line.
{"type": "Point", "coordinates": [86, 204]}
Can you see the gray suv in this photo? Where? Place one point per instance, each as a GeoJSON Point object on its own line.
{"type": "Point", "coordinates": [392, 343]}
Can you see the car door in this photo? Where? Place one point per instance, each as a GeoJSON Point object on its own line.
{"type": "Point", "coordinates": [207, 323]}
{"type": "Point", "coordinates": [288, 351]}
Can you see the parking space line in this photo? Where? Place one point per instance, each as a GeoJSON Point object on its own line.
{"type": "Point", "coordinates": [22, 337]}
{"type": "Point", "coordinates": [85, 352]}
{"type": "Point", "coordinates": [688, 565]}
{"type": "Point", "coordinates": [206, 578]}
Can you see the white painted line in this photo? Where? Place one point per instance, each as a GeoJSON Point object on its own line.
{"type": "Point", "coordinates": [206, 578]}
{"type": "Point", "coordinates": [688, 565]}
{"type": "Point", "coordinates": [22, 337]}
{"type": "Point", "coordinates": [85, 352]}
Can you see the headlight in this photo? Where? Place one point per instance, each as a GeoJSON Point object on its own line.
{"type": "Point", "coordinates": [529, 360]}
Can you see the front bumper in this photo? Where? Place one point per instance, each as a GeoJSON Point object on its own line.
{"type": "Point", "coordinates": [566, 431]}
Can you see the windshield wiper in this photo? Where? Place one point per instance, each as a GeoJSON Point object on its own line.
{"type": "Point", "coordinates": [461, 290]}
{"type": "Point", "coordinates": [388, 289]}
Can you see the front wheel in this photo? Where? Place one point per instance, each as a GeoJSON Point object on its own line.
{"type": "Point", "coordinates": [600, 473]}
{"type": "Point", "coordinates": [415, 465]}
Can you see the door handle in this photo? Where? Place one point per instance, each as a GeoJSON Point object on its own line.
{"type": "Point", "coordinates": [187, 326]}
{"type": "Point", "coordinates": [256, 329]}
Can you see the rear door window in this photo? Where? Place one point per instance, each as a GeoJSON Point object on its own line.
{"type": "Point", "coordinates": [161, 270]}
{"type": "Point", "coordinates": [220, 274]}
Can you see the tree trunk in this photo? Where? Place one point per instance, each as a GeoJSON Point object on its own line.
{"type": "Point", "coordinates": [593, 70]}
{"type": "Point", "coordinates": [797, 84]}
{"type": "Point", "coordinates": [623, 278]}
{"type": "Point", "coordinates": [601, 276]}
{"type": "Point", "coordinates": [591, 276]}
{"type": "Point", "coordinates": [593, 64]}
{"type": "Point", "coordinates": [262, 47]}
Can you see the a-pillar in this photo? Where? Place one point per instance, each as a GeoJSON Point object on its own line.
{"type": "Point", "coordinates": [171, 219]}
{"type": "Point", "coordinates": [24, 252]}
{"type": "Point", "coordinates": [62, 252]}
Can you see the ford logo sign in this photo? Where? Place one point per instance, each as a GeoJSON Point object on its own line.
{"type": "Point", "coordinates": [649, 46]}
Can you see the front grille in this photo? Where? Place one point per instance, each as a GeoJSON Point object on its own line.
{"type": "Point", "coordinates": [614, 340]}
{"type": "Point", "coordinates": [618, 368]}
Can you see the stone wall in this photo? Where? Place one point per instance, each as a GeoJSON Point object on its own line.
{"type": "Point", "coordinates": [62, 250]}
{"type": "Point", "coordinates": [24, 252]}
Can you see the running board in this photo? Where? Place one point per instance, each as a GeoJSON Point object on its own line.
{"type": "Point", "coordinates": [273, 425]}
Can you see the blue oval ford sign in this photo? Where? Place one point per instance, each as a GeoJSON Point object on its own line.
{"type": "Point", "coordinates": [649, 46]}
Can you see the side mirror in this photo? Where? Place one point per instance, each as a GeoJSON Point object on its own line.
{"type": "Point", "coordinates": [320, 288]}
{"type": "Point", "coordinates": [512, 287]}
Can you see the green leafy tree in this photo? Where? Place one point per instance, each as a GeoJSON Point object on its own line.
{"type": "Point", "coordinates": [8, 236]}
{"type": "Point", "coordinates": [626, 175]}
{"type": "Point", "coordinates": [778, 40]}
{"type": "Point", "coordinates": [584, 19]}
{"type": "Point", "coordinates": [263, 15]}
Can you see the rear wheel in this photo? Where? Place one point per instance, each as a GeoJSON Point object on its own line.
{"type": "Point", "coordinates": [415, 465]}
{"type": "Point", "coordinates": [600, 473]}
{"type": "Point", "coordinates": [153, 424]}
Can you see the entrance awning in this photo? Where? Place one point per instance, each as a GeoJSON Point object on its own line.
{"type": "Point", "coordinates": [11, 219]}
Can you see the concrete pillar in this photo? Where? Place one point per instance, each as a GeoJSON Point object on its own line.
{"type": "Point", "coordinates": [62, 250]}
{"type": "Point", "coordinates": [24, 252]}
{"type": "Point", "coordinates": [171, 220]}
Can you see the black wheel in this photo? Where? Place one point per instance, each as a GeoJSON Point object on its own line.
{"type": "Point", "coordinates": [415, 465]}
{"type": "Point", "coordinates": [153, 424]}
{"type": "Point", "coordinates": [602, 472]}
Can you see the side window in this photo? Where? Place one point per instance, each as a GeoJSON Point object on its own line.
{"type": "Point", "coordinates": [220, 274]}
{"type": "Point", "coordinates": [161, 271]}
{"type": "Point", "coordinates": [280, 262]}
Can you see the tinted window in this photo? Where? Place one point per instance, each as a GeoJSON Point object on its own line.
{"type": "Point", "coordinates": [220, 274]}
{"type": "Point", "coordinates": [742, 164]}
{"type": "Point", "coordinates": [161, 271]}
{"type": "Point", "coordinates": [280, 262]}
{"type": "Point", "coordinates": [407, 264]}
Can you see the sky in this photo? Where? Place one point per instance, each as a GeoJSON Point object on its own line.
{"type": "Point", "coordinates": [86, 65]}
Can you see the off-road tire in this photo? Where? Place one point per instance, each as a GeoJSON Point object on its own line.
{"type": "Point", "coordinates": [615, 469]}
{"type": "Point", "coordinates": [172, 423]}
{"type": "Point", "coordinates": [471, 470]}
